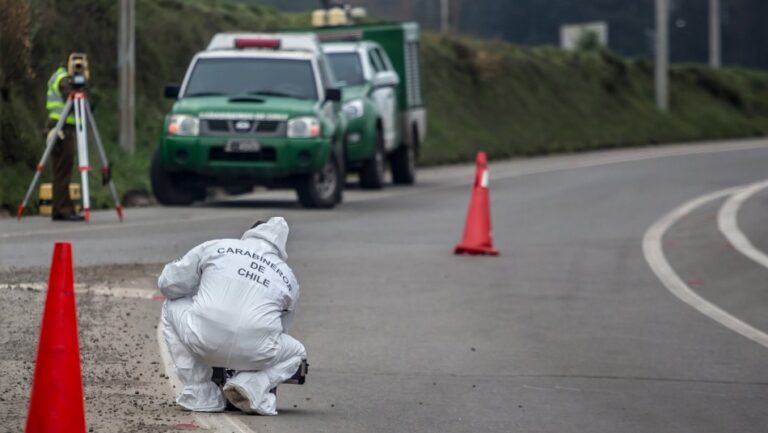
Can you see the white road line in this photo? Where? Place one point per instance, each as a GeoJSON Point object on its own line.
{"type": "Point", "coordinates": [220, 422]}
{"type": "Point", "coordinates": [654, 255]}
{"type": "Point", "coordinates": [559, 165]}
{"type": "Point", "coordinates": [646, 154]}
{"type": "Point", "coordinates": [81, 289]}
{"type": "Point", "coordinates": [729, 226]}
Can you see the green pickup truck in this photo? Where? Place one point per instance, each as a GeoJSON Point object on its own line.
{"type": "Point", "coordinates": [254, 109]}
{"type": "Point", "coordinates": [378, 67]}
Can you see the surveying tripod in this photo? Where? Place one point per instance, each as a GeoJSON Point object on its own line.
{"type": "Point", "coordinates": [77, 100]}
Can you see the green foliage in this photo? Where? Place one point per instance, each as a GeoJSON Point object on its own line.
{"type": "Point", "coordinates": [168, 34]}
{"type": "Point", "coordinates": [490, 95]}
{"type": "Point", "coordinates": [529, 101]}
{"type": "Point", "coordinates": [588, 41]}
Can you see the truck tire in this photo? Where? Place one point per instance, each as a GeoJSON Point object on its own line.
{"type": "Point", "coordinates": [342, 160]}
{"type": "Point", "coordinates": [403, 163]}
{"type": "Point", "coordinates": [322, 189]}
{"type": "Point", "coordinates": [374, 170]}
{"type": "Point", "coordinates": [170, 189]}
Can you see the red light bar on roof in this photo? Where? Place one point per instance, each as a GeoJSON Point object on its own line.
{"type": "Point", "coordinates": [273, 44]}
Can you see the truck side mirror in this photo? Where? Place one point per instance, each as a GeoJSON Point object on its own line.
{"type": "Point", "coordinates": [172, 91]}
{"type": "Point", "coordinates": [333, 95]}
{"type": "Point", "coordinates": [385, 79]}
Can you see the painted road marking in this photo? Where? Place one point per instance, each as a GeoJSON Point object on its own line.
{"type": "Point", "coordinates": [727, 222]}
{"type": "Point", "coordinates": [82, 289]}
{"type": "Point", "coordinates": [206, 420]}
{"type": "Point", "coordinates": [501, 172]}
{"type": "Point", "coordinates": [654, 255]}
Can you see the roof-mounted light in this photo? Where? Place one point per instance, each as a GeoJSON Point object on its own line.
{"type": "Point", "coordinates": [273, 44]}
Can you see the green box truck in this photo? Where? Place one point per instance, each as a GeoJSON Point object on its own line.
{"type": "Point", "coordinates": [378, 66]}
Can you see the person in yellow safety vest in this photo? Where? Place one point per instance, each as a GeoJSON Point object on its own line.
{"type": "Point", "coordinates": [63, 152]}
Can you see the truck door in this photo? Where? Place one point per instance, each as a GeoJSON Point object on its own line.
{"type": "Point", "coordinates": [385, 99]}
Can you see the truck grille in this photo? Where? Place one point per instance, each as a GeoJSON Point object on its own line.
{"type": "Point", "coordinates": [267, 126]}
{"type": "Point", "coordinates": [260, 128]}
{"type": "Point", "coordinates": [217, 153]}
{"type": "Point", "coordinates": [218, 125]}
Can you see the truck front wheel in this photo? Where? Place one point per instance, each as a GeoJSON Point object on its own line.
{"type": "Point", "coordinates": [321, 189]}
{"type": "Point", "coordinates": [171, 189]}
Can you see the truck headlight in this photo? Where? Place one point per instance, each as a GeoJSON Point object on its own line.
{"type": "Point", "coordinates": [182, 124]}
{"type": "Point", "coordinates": [303, 127]}
{"type": "Point", "coordinates": [353, 109]}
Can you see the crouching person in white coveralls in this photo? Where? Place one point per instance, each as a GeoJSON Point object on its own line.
{"type": "Point", "coordinates": [230, 303]}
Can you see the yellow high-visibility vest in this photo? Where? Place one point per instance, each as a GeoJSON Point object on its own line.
{"type": "Point", "coordinates": [54, 101]}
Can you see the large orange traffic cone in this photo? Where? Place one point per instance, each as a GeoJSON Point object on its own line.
{"type": "Point", "coordinates": [57, 402]}
{"type": "Point", "coordinates": [477, 231]}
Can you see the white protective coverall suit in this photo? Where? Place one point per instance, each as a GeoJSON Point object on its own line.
{"type": "Point", "coordinates": [229, 303]}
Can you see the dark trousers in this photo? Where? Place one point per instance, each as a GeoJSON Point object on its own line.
{"type": "Point", "coordinates": [62, 158]}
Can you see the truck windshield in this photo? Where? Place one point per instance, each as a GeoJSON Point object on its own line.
{"type": "Point", "coordinates": [347, 68]}
{"type": "Point", "coordinates": [230, 77]}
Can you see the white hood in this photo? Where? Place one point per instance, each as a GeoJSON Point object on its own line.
{"type": "Point", "coordinates": [274, 231]}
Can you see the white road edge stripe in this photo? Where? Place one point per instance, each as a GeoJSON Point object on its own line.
{"type": "Point", "coordinates": [81, 289]}
{"type": "Point", "coordinates": [727, 222]}
{"type": "Point", "coordinates": [654, 255]}
{"type": "Point", "coordinates": [205, 420]}
{"type": "Point", "coordinates": [220, 422]}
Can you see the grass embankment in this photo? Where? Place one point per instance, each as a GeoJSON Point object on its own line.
{"type": "Point", "coordinates": [490, 95]}
{"type": "Point", "coordinates": [511, 100]}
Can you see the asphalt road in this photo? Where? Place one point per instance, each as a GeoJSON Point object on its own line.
{"type": "Point", "coordinates": [568, 330]}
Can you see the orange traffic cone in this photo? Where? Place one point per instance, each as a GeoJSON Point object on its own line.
{"type": "Point", "coordinates": [57, 402]}
{"type": "Point", "coordinates": [477, 231]}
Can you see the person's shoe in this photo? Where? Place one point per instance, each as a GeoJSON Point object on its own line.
{"type": "Point", "coordinates": [68, 217]}
{"type": "Point", "coordinates": [237, 396]}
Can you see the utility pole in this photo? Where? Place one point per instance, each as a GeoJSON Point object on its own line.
{"type": "Point", "coordinates": [126, 67]}
{"type": "Point", "coordinates": [714, 34]}
{"type": "Point", "coordinates": [449, 15]}
{"type": "Point", "coordinates": [445, 16]}
{"type": "Point", "coordinates": [662, 55]}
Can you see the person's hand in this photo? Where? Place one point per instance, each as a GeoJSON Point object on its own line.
{"type": "Point", "coordinates": [51, 132]}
